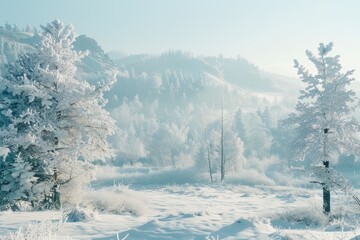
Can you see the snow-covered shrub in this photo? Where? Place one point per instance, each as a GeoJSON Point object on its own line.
{"type": "Point", "coordinates": [108, 174]}
{"type": "Point", "coordinates": [249, 177]}
{"type": "Point", "coordinates": [343, 218]}
{"type": "Point", "coordinates": [79, 214]}
{"type": "Point", "coordinates": [151, 176]}
{"type": "Point", "coordinates": [115, 200]}
{"type": "Point", "coordinates": [263, 165]}
{"type": "Point", "coordinates": [35, 231]}
{"type": "Point", "coordinates": [166, 176]}
{"type": "Point", "coordinates": [85, 173]}
{"type": "Point", "coordinates": [300, 217]}
{"type": "Point", "coordinates": [287, 177]}
{"type": "Point", "coordinates": [169, 176]}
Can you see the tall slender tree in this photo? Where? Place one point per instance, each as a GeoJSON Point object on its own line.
{"type": "Point", "coordinates": [324, 124]}
{"type": "Point", "coordinates": [222, 153]}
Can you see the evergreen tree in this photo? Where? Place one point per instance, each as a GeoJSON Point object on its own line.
{"type": "Point", "coordinates": [23, 181]}
{"type": "Point", "coordinates": [53, 119]}
{"type": "Point", "coordinates": [324, 124]}
{"type": "Point", "coordinates": [258, 141]}
{"type": "Point", "coordinates": [239, 126]}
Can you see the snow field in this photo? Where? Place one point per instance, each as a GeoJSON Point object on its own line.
{"type": "Point", "coordinates": [202, 211]}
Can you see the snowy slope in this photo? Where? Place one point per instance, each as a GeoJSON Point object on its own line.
{"type": "Point", "coordinates": [13, 42]}
{"type": "Point", "coordinates": [93, 68]}
{"type": "Point", "coordinates": [179, 78]}
{"type": "Point", "coordinates": [236, 72]}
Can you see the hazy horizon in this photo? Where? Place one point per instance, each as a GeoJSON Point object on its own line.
{"type": "Point", "coordinates": [269, 34]}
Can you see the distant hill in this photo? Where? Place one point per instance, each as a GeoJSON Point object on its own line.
{"type": "Point", "coordinates": [176, 78]}
{"type": "Point", "coordinates": [173, 79]}
{"type": "Point", "coordinates": [14, 41]}
{"type": "Point", "coordinates": [93, 67]}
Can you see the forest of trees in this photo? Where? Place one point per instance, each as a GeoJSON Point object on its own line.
{"type": "Point", "coordinates": [175, 112]}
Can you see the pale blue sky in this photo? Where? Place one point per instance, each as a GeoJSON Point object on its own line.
{"type": "Point", "coordinates": [269, 33]}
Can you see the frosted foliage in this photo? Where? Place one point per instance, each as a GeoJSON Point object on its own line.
{"type": "Point", "coordinates": [35, 231]}
{"type": "Point", "coordinates": [210, 149]}
{"type": "Point", "coordinates": [24, 179]}
{"type": "Point", "coordinates": [168, 142]}
{"type": "Point", "coordinates": [234, 152]}
{"type": "Point", "coordinates": [134, 128]}
{"type": "Point", "coordinates": [80, 215]}
{"type": "Point", "coordinates": [80, 173]}
{"type": "Point", "coordinates": [4, 152]}
{"type": "Point", "coordinates": [258, 139]}
{"type": "Point", "coordinates": [49, 116]}
{"type": "Point", "coordinates": [332, 179]}
{"type": "Point", "coordinates": [325, 105]}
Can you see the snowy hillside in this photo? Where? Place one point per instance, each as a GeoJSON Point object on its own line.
{"type": "Point", "coordinates": [13, 41]}
{"type": "Point", "coordinates": [176, 79]}
{"type": "Point", "coordinates": [94, 67]}
{"type": "Point", "coordinates": [238, 72]}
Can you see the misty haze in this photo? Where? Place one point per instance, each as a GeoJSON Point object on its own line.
{"type": "Point", "coordinates": [179, 120]}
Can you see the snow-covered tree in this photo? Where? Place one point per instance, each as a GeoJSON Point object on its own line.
{"type": "Point", "coordinates": [21, 186]}
{"type": "Point", "coordinates": [203, 160]}
{"type": "Point", "coordinates": [220, 150]}
{"type": "Point", "coordinates": [233, 152]}
{"type": "Point", "coordinates": [324, 124]}
{"type": "Point", "coordinates": [168, 142]}
{"type": "Point", "coordinates": [266, 118]}
{"type": "Point", "coordinates": [207, 154]}
{"type": "Point", "coordinates": [48, 117]}
{"type": "Point", "coordinates": [136, 124]}
{"type": "Point", "coordinates": [258, 138]}
{"type": "Point", "coordinates": [239, 126]}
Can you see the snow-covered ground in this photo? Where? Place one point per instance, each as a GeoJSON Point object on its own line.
{"type": "Point", "coordinates": [205, 211]}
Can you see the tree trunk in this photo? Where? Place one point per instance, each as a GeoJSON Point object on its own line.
{"type": "Point", "coordinates": [326, 194]}
{"type": "Point", "coordinates": [160, 157]}
{"type": "Point", "coordinates": [222, 161]}
{"type": "Point", "coordinates": [326, 189]}
{"type": "Point", "coordinates": [173, 159]}
{"type": "Point", "coordinates": [56, 200]}
{"type": "Point", "coordinates": [209, 162]}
